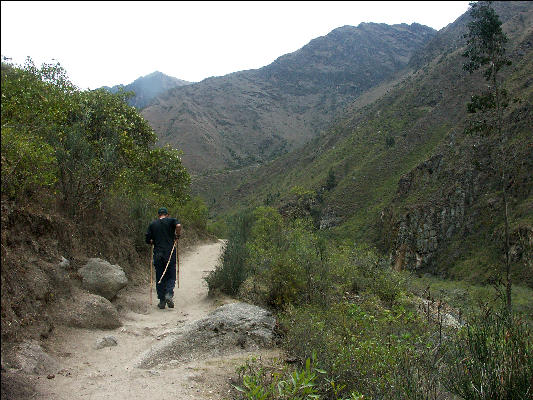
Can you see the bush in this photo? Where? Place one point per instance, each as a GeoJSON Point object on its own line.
{"type": "Point", "coordinates": [194, 214]}
{"type": "Point", "coordinates": [258, 385]}
{"type": "Point", "coordinates": [360, 346]}
{"type": "Point", "coordinates": [28, 162]}
{"type": "Point", "coordinates": [491, 358]}
{"type": "Point", "coordinates": [233, 268]}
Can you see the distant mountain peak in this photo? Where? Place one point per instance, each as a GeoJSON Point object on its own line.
{"type": "Point", "coordinates": [249, 117]}
{"type": "Point", "coordinates": [147, 87]}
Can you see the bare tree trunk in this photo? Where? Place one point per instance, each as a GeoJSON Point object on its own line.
{"type": "Point", "coordinates": [501, 137]}
{"type": "Point", "coordinates": [508, 284]}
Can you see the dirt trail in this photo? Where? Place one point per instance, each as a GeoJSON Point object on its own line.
{"type": "Point", "coordinates": [110, 373]}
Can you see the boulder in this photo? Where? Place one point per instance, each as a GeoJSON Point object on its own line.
{"type": "Point", "coordinates": [64, 263]}
{"type": "Point", "coordinates": [102, 278]}
{"type": "Point", "coordinates": [229, 329]}
{"type": "Point", "coordinates": [86, 310]}
{"type": "Point", "coordinates": [30, 357]}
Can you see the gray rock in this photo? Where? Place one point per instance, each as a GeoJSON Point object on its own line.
{"type": "Point", "coordinates": [229, 329]}
{"type": "Point", "coordinates": [31, 358]}
{"type": "Point", "coordinates": [102, 278]}
{"type": "Point", "coordinates": [108, 341]}
{"type": "Point", "coordinates": [86, 310]}
{"type": "Point", "coordinates": [64, 263]}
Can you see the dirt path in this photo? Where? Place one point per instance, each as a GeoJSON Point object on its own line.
{"type": "Point", "coordinates": [110, 373]}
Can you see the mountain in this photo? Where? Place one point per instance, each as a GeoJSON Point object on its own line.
{"type": "Point", "coordinates": [252, 116]}
{"type": "Point", "coordinates": [406, 177]}
{"type": "Point", "coordinates": [147, 87]}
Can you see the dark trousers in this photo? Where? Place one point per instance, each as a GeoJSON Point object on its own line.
{"type": "Point", "coordinates": [169, 279]}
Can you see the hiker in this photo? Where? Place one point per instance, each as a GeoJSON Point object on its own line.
{"type": "Point", "coordinates": [162, 233]}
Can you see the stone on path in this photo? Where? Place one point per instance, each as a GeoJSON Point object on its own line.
{"type": "Point", "coordinates": [102, 278]}
{"type": "Point", "coordinates": [86, 310]}
{"type": "Point", "coordinates": [107, 341]}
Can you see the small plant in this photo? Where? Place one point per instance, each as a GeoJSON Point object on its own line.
{"type": "Point", "coordinates": [297, 385]}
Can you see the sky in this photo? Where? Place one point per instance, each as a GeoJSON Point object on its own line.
{"type": "Point", "coordinates": [109, 43]}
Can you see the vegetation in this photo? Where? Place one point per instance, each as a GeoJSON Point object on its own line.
{"type": "Point", "coordinates": [369, 331]}
{"type": "Point", "coordinates": [364, 326]}
{"type": "Point", "coordinates": [90, 149]}
{"type": "Point", "coordinates": [486, 49]}
{"type": "Point", "coordinates": [359, 322]}
{"type": "Point", "coordinates": [491, 359]}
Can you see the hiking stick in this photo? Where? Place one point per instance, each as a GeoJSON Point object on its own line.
{"type": "Point", "coordinates": [151, 274]}
{"type": "Point", "coordinates": [177, 262]}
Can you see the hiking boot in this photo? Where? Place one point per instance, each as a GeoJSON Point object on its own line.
{"type": "Point", "coordinates": [168, 299]}
{"type": "Point", "coordinates": [161, 304]}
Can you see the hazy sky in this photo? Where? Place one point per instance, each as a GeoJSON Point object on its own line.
{"type": "Point", "coordinates": [107, 43]}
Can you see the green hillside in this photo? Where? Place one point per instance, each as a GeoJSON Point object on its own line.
{"type": "Point", "coordinates": [382, 244]}
{"type": "Point", "coordinates": [412, 135]}
{"type": "Point", "coordinates": [251, 117]}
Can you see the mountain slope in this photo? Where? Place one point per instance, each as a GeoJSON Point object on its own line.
{"type": "Point", "coordinates": [252, 116]}
{"type": "Point", "coordinates": [406, 176]}
{"type": "Point", "coordinates": [147, 87]}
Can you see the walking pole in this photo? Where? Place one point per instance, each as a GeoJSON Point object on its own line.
{"type": "Point", "coordinates": [151, 273]}
{"type": "Point", "coordinates": [177, 262]}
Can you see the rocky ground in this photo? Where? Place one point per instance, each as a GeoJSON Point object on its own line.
{"type": "Point", "coordinates": [188, 352]}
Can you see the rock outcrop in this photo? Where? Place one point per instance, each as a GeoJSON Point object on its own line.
{"type": "Point", "coordinates": [226, 330]}
{"type": "Point", "coordinates": [419, 229]}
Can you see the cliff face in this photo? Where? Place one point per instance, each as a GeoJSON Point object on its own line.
{"type": "Point", "coordinates": [447, 214]}
{"type": "Point", "coordinates": [418, 230]}
{"type": "Point", "coordinates": [250, 117]}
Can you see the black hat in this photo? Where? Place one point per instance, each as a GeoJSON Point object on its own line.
{"type": "Point", "coordinates": [162, 211]}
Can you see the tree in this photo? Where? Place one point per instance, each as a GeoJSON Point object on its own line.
{"type": "Point", "coordinates": [36, 105]}
{"type": "Point", "coordinates": [90, 146]}
{"type": "Point", "coordinates": [486, 50]}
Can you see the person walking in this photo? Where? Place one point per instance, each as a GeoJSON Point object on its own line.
{"type": "Point", "coordinates": [162, 234]}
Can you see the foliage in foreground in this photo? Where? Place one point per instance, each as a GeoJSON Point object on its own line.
{"type": "Point", "coordinates": [258, 383]}
{"type": "Point", "coordinates": [344, 305]}
{"type": "Point", "coordinates": [491, 358]}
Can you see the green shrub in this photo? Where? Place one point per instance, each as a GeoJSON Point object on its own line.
{"type": "Point", "coordinates": [491, 358]}
{"type": "Point", "coordinates": [28, 162]}
{"type": "Point", "coordinates": [233, 268]}
{"type": "Point", "coordinates": [259, 383]}
{"type": "Point", "coordinates": [359, 269]}
{"type": "Point", "coordinates": [194, 214]}
{"type": "Point", "coordinates": [360, 346]}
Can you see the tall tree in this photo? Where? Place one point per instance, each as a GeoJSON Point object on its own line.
{"type": "Point", "coordinates": [485, 51]}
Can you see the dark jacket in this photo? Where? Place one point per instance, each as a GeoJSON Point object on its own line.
{"type": "Point", "coordinates": [162, 232]}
